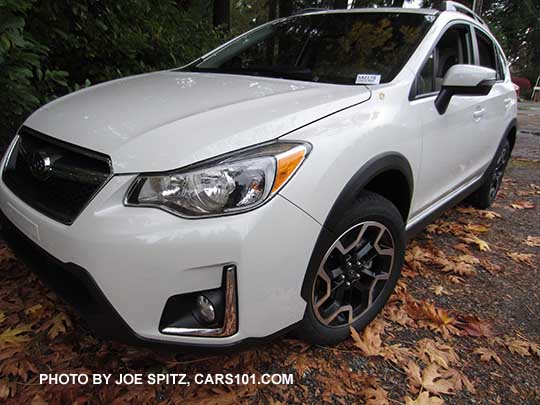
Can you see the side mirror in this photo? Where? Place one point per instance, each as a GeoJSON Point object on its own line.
{"type": "Point", "coordinates": [464, 80]}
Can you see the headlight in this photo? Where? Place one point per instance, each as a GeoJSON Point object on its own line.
{"type": "Point", "coordinates": [231, 184]}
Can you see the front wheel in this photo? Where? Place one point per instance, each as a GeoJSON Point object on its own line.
{"type": "Point", "coordinates": [351, 277]}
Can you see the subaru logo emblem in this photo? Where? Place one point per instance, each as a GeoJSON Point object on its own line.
{"type": "Point", "coordinates": [40, 165]}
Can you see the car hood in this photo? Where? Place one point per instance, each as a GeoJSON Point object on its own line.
{"type": "Point", "coordinates": [165, 120]}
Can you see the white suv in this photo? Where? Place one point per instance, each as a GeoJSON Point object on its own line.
{"type": "Point", "coordinates": [270, 184]}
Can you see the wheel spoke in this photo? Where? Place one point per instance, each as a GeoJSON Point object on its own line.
{"type": "Point", "coordinates": [339, 246]}
{"type": "Point", "coordinates": [344, 250]}
{"type": "Point", "coordinates": [370, 295]}
{"type": "Point", "coordinates": [339, 310]}
{"type": "Point", "coordinates": [499, 172]}
{"type": "Point", "coordinates": [382, 250]}
{"type": "Point", "coordinates": [382, 276]}
{"type": "Point", "coordinates": [322, 274]}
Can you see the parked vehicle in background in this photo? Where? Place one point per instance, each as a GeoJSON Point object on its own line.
{"type": "Point", "coordinates": [517, 90]}
{"type": "Point", "coordinates": [523, 85]}
{"type": "Point", "coordinates": [271, 184]}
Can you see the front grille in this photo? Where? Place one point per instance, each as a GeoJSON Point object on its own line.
{"type": "Point", "coordinates": [54, 177]}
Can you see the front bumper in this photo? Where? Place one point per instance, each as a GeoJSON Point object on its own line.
{"type": "Point", "coordinates": [128, 261]}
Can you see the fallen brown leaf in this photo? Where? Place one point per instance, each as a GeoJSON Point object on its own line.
{"type": "Point", "coordinates": [490, 267]}
{"type": "Point", "coordinates": [57, 325]}
{"type": "Point", "coordinates": [482, 245]}
{"type": "Point", "coordinates": [532, 241]}
{"type": "Point", "coordinates": [456, 279]}
{"type": "Point", "coordinates": [434, 382]}
{"type": "Point", "coordinates": [518, 346]}
{"type": "Point", "coordinates": [375, 396]}
{"type": "Point", "coordinates": [423, 399]}
{"type": "Point", "coordinates": [478, 228]}
{"type": "Point", "coordinates": [398, 314]}
{"type": "Point", "coordinates": [369, 342]}
{"type": "Point", "coordinates": [522, 205]}
{"type": "Point", "coordinates": [437, 319]}
{"type": "Point", "coordinates": [482, 213]}
{"type": "Point", "coordinates": [441, 354]}
{"type": "Point", "coordinates": [439, 290]}
{"type": "Point", "coordinates": [414, 373]}
{"type": "Point", "coordinates": [521, 258]}
{"type": "Point", "coordinates": [475, 327]}
{"type": "Point", "coordinates": [14, 336]}
{"type": "Point", "coordinates": [458, 380]}
{"type": "Point", "coordinates": [7, 389]}
{"type": "Point", "coordinates": [487, 355]}
{"type": "Point", "coordinates": [397, 354]}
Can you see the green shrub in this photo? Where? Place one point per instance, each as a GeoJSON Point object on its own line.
{"type": "Point", "coordinates": [51, 47]}
{"type": "Point", "coordinates": [25, 79]}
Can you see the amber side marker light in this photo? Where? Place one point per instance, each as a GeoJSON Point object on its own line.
{"type": "Point", "coordinates": [287, 163]}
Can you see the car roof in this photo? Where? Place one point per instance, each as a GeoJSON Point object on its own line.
{"type": "Point", "coordinates": [448, 8]}
{"type": "Point", "coordinates": [424, 11]}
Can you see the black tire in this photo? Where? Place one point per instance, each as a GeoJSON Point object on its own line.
{"type": "Point", "coordinates": [486, 194]}
{"type": "Point", "coordinates": [370, 215]}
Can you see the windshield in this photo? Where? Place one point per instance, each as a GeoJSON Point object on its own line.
{"type": "Point", "coordinates": [341, 48]}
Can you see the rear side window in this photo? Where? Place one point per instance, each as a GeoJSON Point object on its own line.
{"type": "Point", "coordinates": [486, 51]}
{"type": "Point", "coordinates": [501, 66]}
{"type": "Point", "coordinates": [454, 47]}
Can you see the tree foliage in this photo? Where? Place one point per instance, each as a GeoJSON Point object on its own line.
{"type": "Point", "coordinates": [48, 48]}
{"type": "Point", "coordinates": [517, 26]}
{"type": "Point", "coordinates": [51, 47]}
{"type": "Point", "coordinates": [25, 78]}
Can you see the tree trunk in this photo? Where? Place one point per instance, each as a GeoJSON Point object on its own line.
{"type": "Point", "coordinates": [272, 15]}
{"type": "Point", "coordinates": [341, 3]}
{"type": "Point", "coordinates": [272, 10]}
{"type": "Point", "coordinates": [436, 4]}
{"type": "Point", "coordinates": [222, 14]}
{"type": "Point", "coordinates": [285, 8]}
{"type": "Point", "coordinates": [479, 4]}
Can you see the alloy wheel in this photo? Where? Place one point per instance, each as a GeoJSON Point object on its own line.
{"type": "Point", "coordinates": [353, 274]}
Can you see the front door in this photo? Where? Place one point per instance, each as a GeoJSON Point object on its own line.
{"type": "Point", "coordinates": [450, 142]}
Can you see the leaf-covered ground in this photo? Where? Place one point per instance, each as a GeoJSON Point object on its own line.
{"type": "Point", "coordinates": [462, 327]}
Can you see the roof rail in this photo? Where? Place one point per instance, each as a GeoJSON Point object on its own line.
{"type": "Point", "coordinates": [460, 8]}
{"type": "Point", "coordinates": [310, 10]}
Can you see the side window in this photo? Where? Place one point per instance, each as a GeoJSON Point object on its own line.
{"type": "Point", "coordinates": [425, 82]}
{"type": "Point", "coordinates": [501, 66]}
{"type": "Point", "coordinates": [454, 47]}
{"type": "Point", "coordinates": [486, 51]}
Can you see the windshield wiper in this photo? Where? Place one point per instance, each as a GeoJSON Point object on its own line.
{"type": "Point", "coordinates": [304, 75]}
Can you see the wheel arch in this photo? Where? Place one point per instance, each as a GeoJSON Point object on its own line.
{"type": "Point", "coordinates": [389, 175]}
{"type": "Point", "coordinates": [511, 133]}
{"type": "Point", "coordinates": [374, 173]}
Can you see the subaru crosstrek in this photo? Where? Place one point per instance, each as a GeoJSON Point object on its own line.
{"type": "Point", "coordinates": [270, 184]}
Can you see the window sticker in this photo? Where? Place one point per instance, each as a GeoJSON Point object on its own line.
{"type": "Point", "coordinates": [368, 79]}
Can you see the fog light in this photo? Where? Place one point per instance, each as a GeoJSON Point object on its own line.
{"type": "Point", "coordinates": [204, 310]}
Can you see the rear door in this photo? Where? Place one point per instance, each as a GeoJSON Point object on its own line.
{"type": "Point", "coordinates": [498, 107]}
{"type": "Point", "coordinates": [450, 142]}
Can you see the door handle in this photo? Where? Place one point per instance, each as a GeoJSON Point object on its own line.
{"type": "Point", "coordinates": [508, 102]}
{"type": "Point", "coordinates": [478, 114]}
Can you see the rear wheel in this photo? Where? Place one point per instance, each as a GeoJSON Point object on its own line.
{"type": "Point", "coordinates": [351, 277]}
{"type": "Point", "coordinates": [485, 195]}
